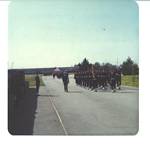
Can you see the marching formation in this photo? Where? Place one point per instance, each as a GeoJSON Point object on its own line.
{"type": "Point", "coordinates": [102, 79]}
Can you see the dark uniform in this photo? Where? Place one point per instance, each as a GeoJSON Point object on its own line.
{"type": "Point", "coordinates": [113, 81]}
{"type": "Point", "coordinates": [65, 79]}
{"type": "Point", "coordinates": [98, 76]}
{"type": "Point", "coordinates": [109, 77]}
{"type": "Point", "coordinates": [76, 77]}
{"type": "Point", "coordinates": [118, 78]}
{"type": "Point", "coordinates": [86, 78]}
{"type": "Point", "coordinates": [37, 80]}
{"type": "Point", "coordinates": [103, 79]}
{"type": "Point", "coordinates": [95, 82]}
{"type": "Point", "coordinates": [94, 78]}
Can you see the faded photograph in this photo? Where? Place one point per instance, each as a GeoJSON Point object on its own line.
{"type": "Point", "coordinates": [73, 67]}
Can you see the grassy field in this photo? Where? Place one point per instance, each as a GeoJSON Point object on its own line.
{"type": "Point", "coordinates": [130, 80]}
{"type": "Point", "coordinates": [31, 80]}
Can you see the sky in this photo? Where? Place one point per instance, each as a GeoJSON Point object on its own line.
{"type": "Point", "coordinates": [56, 33]}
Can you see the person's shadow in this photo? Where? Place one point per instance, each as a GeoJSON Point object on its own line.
{"type": "Point", "coordinates": [45, 95]}
{"type": "Point", "coordinates": [74, 91]}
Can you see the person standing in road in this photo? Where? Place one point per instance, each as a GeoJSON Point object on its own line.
{"type": "Point", "coordinates": [65, 80]}
{"type": "Point", "coordinates": [37, 82]}
{"type": "Point", "coordinates": [118, 78]}
{"type": "Point", "coordinates": [113, 81]}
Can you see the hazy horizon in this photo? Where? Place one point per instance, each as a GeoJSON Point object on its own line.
{"type": "Point", "coordinates": [63, 33]}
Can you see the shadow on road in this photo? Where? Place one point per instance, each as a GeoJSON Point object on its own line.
{"type": "Point", "coordinates": [21, 121]}
{"type": "Point", "coordinates": [117, 91]}
{"type": "Point", "coordinates": [74, 91]}
{"type": "Point", "coordinates": [48, 95]}
{"type": "Point", "coordinates": [126, 92]}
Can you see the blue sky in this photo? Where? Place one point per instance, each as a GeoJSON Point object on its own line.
{"type": "Point", "coordinates": [52, 33]}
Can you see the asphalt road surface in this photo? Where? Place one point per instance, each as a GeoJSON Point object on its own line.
{"type": "Point", "coordinates": [85, 112]}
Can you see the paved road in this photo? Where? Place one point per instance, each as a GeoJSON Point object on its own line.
{"type": "Point", "coordinates": [85, 112]}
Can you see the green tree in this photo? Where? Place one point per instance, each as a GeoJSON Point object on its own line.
{"type": "Point", "coordinates": [97, 65]}
{"type": "Point", "coordinates": [135, 69]}
{"type": "Point", "coordinates": [85, 64]}
{"type": "Point", "coordinates": [109, 66]}
{"type": "Point", "coordinates": [129, 67]}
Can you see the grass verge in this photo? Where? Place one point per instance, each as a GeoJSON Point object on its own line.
{"type": "Point", "coordinates": [31, 80]}
{"type": "Point", "coordinates": [130, 80]}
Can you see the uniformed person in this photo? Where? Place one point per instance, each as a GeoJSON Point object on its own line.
{"type": "Point", "coordinates": [118, 79]}
{"type": "Point", "coordinates": [96, 79]}
{"type": "Point", "coordinates": [76, 77]}
{"type": "Point", "coordinates": [103, 79]}
{"type": "Point", "coordinates": [113, 81]}
{"type": "Point", "coordinates": [37, 83]}
{"type": "Point", "coordinates": [86, 78]}
{"type": "Point", "coordinates": [65, 79]}
{"type": "Point", "coordinates": [83, 78]}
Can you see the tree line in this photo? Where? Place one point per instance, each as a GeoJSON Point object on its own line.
{"type": "Point", "coordinates": [128, 67]}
